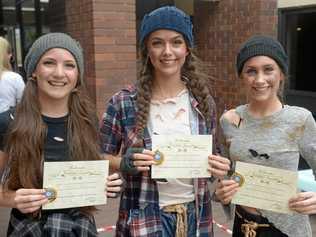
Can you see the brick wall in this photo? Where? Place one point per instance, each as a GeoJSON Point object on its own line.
{"type": "Point", "coordinates": [107, 32]}
{"type": "Point", "coordinates": [114, 27]}
{"type": "Point", "coordinates": [79, 24]}
{"type": "Point", "coordinates": [220, 28]}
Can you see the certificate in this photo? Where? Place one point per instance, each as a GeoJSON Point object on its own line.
{"type": "Point", "coordinates": [181, 156]}
{"type": "Point", "coordinates": [75, 183]}
{"type": "Point", "coordinates": [264, 187]}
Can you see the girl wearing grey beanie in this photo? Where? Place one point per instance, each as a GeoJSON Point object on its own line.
{"type": "Point", "coordinates": [55, 121]}
{"type": "Point", "coordinates": [171, 96]}
{"type": "Point", "coordinates": [267, 132]}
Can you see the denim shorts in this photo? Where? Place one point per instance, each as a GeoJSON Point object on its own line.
{"type": "Point", "coordinates": [169, 221]}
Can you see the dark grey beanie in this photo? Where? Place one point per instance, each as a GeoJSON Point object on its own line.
{"type": "Point", "coordinates": [265, 46]}
{"type": "Point", "coordinates": [167, 17]}
{"type": "Point", "coordinates": [49, 41]}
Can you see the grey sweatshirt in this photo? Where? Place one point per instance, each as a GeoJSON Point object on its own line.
{"type": "Point", "coordinates": [283, 136]}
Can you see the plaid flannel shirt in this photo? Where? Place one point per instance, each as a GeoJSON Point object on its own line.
{"type": "Point", "coordinates": [139, 207]}
{"type": "Point", "coordinates": [57, 223]}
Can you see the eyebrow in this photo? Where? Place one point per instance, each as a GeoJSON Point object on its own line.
{"type": "Point", "coordinates": [173, 38]}
{"type": "Point", "coordinates": [265, 65]}
{"type": "Point", "coordinates": [70, 61]}
{"type": "Point", "coordinates": [50, 58]}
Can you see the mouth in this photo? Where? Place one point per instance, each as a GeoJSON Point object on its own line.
{"type": "Point", "coordinates": [260, 89]}
{"type": "Point", "coordinates": [168, 61]}
{"type": "Point", "coordinates": [57, 83]}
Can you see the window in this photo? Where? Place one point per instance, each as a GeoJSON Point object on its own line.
{"type": "Point", "coordinates": [299, 36]}
{"type": "Point", "coordinates": [21, 22]}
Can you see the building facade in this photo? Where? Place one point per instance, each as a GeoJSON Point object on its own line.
{"type": "Point", "coordinates": [107, 30]}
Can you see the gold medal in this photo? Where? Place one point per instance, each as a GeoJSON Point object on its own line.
{"type": "Point", "coordinates": [158, 157]}
{"type": "Point", "coordinates": [238, 178]}
{"type": "Point", "coordinates": [51, 194]}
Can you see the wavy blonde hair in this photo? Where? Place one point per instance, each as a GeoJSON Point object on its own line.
{"type": "Point", "coordinates": [5, 49]}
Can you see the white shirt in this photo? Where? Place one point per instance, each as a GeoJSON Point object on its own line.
{"type": "Point", "coordinates": [171, 116]}
{"type": "Point", "coordinates": [11, 89]}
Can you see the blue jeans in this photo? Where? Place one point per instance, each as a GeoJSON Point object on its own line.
{"type": "Point", "coordinates": [169, 221]}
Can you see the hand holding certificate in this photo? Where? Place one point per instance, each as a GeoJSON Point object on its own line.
{"type": "Point", "coordinates": [75, 183]}
{"type": "Point", "coordinates": [264, 187]}
{"type": "Point", "coordinates": [179, 156]}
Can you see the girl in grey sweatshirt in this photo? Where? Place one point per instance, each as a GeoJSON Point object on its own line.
{"type": "Point", "coordinates": [267, 132]}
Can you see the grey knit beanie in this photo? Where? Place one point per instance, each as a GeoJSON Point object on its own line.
{"type": "Point", "coordinates": [265, 46]}
{"type": "Point", "coordinates": [49, 41]}
{"type": "Point", "coordinates": [167, 17]}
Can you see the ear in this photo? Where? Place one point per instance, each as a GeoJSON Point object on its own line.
{"type": "Point", "coordinates": [282, 76]}
{"type": "Point", "coordinates": [240, 77]}
{"type": "Point", "coordinates": [188, 52]}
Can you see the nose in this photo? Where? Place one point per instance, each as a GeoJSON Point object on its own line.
{"type": "Point", "coordinates": [59, 70]}
{"type": "Point", "coordinates": [260, 78]}
{"type": "Point", "coordinates": [167, 49]}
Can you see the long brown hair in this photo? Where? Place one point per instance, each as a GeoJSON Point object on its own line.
{"type": "Point", "coordinates": [192, 73]}
{"type": "Point", "coordinates": [27, 134]}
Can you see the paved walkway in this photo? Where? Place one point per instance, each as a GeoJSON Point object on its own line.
{"type": "Point", "coordinates": [107, 216]}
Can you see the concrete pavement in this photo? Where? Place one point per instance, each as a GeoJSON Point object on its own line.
{"type": "Point", "coordinates": [107, 215]}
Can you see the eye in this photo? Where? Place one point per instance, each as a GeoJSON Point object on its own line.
{"type": "Point", "coordinates": [251, 72]}
{"type": "Point", "coordinates": [70, 65]}
{"type": "Point", "coordinates": [268, 69]}
{"type": "Point", "coordinates": [178, 42]}
{"type": "Point", "coordinates": [156, 43]}
{"type": "Point", "coordinates": [48, 62]}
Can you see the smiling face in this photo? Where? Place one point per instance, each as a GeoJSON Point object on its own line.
{"type": "Point", "coordinates": [262, 77]}
{"type": "Point", "coordinates": [167, 51]}
{"type": "Point", "coordinates": [56, 75]}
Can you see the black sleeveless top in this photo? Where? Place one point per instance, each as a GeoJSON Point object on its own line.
{"type": "Point", "coordinates": [56, 142]}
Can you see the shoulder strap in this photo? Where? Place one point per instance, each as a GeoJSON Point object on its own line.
{"type": "Point", "coordinates": [240, 110]}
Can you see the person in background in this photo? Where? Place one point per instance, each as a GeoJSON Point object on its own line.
{"type": "Point", "coordinates": [267, 132]}
{"type": "Point", "coordinates": [171, 96]}
{"type": "Point", "coordinates": [11, 83]}
{"type": "Point", "coordinates": [55, 121]}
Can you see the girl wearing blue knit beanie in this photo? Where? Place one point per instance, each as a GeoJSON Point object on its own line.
{"type": "Point", "coordinates": [55, 121]}
{"type": "Point", "coordinates": [171, 96]}
{"type": "Point", "coordinates": [267, 132]}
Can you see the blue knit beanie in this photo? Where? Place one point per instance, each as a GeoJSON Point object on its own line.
{"type": "Point", "coordinates": [261, 45]}
{"type": "Point", "coordinates": [167, 17]}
